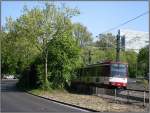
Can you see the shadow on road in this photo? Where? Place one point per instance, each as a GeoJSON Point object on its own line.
{"type": "Point", "coordinates": [9, 86]}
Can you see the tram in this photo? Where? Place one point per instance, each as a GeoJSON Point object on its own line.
{"type": "Point", "coordinates": [113, 74]}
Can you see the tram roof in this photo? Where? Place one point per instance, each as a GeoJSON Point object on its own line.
{"type": "Point", "coordinates": [104, 63]}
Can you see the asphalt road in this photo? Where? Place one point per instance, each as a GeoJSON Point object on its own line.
{"type": "Point", "coordinates": [133, 84]}
{"type": "Point", "coordinates": [13, 100]}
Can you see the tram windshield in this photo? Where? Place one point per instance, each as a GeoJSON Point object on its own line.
{"type": "Point", "coordinates": [118, 70]}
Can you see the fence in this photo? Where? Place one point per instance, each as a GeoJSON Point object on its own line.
{"type": "Point", "coordinates": [117, 95]}
{"type": "Point", "coordinates": [128, 96]}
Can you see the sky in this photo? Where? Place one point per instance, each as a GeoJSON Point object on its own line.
{"type": "Point", "coordinates": [97, 16]}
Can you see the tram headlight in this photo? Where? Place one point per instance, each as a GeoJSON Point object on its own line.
{"type": "Point", "coordinates": [124, 84]}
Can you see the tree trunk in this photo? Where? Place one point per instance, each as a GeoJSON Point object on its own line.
{"type": "Point", "coordinates": [45, 67]}
{"type": "Point", "coordinates": [46, 57]}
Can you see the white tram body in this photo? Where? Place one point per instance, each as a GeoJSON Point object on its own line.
{"type": "Point", "coordinates": [106, 73]}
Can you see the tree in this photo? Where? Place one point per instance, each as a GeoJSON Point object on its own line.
{"type": "Point", "coordinates": [18, 52]}
{"type": "Point", "coordinates": [9, 48]}
{"type": "Point", "coordinates": [36, 35]}
{"type": "Point", "coordinates": [4, 52]}
{"type": "Point", "coordinates": [143, 61]}
{"type": "Point", "coordinates": [54, 22]}
{"type": "Point", "coordinates": [106, 41]}
{"type": "Point", "coordinates": [131, 59]}
{"type": "Point", "coordinates": [64, 56]}
{"type": "Point", "coordinates": [101, 50]}
{"type": "Point", "coordinates": [82, 35]}
{"type": "Point", "coordinates": [83, 38]}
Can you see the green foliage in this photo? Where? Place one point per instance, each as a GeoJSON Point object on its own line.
{"type": "Point", "coordinates": [110, 54]}
{"type": "Point", "coordinates": [8, 61]}
{"type": "Point", "coordinates": [45, 48]}
{"type": "Point", "coordinates": [106, 41]}
{"type": "Point", "coordinates": [143, 61]}
{"type": "Point", "coordinates": [32, 76]}
{"type": "Point", "coordinates": [41, 47]}
{"type": "Point", "coordinates": [97, 55]}
{"type": "Point", "coordinates": [17, 51]}
{"type": "Point", "coordinates": [131, 59]}
{"type": "Point", "coordinates": [64, 59]}
{"type": "Point", "coordinates": [82, 35]}
{"type": "Point", "coordinates": [105, 50]}
{"type": "Point", "coordinates": [28, 79]}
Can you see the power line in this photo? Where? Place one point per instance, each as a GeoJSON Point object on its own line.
{"type": "Point", "coordinates": [127, 22]}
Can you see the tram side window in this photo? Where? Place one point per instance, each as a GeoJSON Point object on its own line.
{"type": "Point", "coordinates": [78, 72]}
{"type": "Point", "coordinates": [98, 71]}
{"type": "Point", "coordinates": [81, 72]}
{"type": "Point", "coordinates": [91, 71]}
{"type": "Point", "coordinates": [85, 72]}
{"type": "Point", "coordinates": [88, 71]}
{"type": "Point", "coordinates": [94, 71]}
{"type": "Point", "coordinates": [106, 70]}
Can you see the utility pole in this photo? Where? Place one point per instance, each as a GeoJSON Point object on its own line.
{"type": "Point", "coordinates": [123, 43]}
{"type": "Point", "coordinates": [118, 47]}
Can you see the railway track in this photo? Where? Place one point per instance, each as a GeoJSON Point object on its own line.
{"type": "Point", "coordinates": [147, 91]}
{"type": "Point", "coordinates": [132, 96]}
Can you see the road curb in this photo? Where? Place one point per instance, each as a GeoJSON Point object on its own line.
{"type": "Point", "coordinates": [90, 110]}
